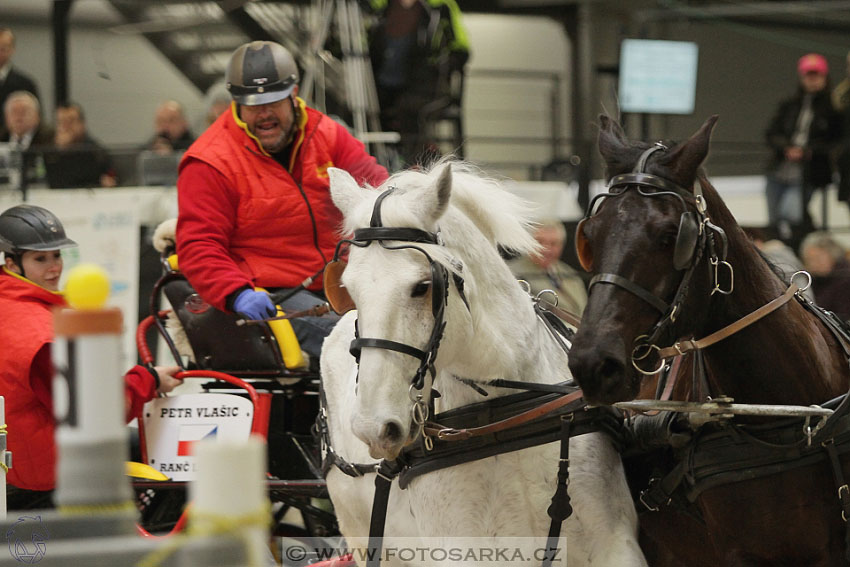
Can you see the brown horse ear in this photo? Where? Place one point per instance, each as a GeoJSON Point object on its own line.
{"type": "Point", "coordinates": [684, 160]}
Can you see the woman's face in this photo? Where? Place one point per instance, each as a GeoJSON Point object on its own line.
{"type": "Point", "coordinates": [42, 267]}
{"type": "Point", "coordinates": [813, 82]}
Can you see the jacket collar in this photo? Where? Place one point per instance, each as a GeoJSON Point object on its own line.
{"type": "Point", "coordinates": [28, 289]}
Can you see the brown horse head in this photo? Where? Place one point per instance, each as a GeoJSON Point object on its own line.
{"type": "Point", "coordinates": [641, 241]}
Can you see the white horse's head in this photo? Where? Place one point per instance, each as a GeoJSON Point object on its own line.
{"type": "Point", "coordinates": [393, 282]}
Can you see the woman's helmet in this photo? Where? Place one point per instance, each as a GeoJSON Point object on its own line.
{"type": "Point", "coordinates": [28, 227]}
{"type": "Point", "coordinates": [261, 72]}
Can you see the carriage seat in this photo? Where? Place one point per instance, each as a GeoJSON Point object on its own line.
{"type": "Point", "coordinates": [212, 338]}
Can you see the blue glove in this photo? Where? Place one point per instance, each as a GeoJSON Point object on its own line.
{"type": "Point", "coordinates": [254, 305]}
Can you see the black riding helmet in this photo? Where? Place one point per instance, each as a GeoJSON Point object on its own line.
{"type": "Point", "coordinates": [261, 72]}
{"type": "Point", "coordinates": [28, 227]}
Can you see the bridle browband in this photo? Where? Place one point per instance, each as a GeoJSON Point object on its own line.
{"type": "Point", "coordinates": [696, 235]}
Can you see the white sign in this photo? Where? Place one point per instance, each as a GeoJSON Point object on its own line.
{"type": "Point", "coordinates": [173, 425]}
{"type": "Point", "coordinates": [658, 76]}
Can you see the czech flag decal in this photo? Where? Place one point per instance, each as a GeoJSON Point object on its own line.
{"type": "Point", "coordinates": [190, 434]}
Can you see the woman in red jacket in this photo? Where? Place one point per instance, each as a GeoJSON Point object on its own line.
{"type": "Point", "coordinates": [31, 239]}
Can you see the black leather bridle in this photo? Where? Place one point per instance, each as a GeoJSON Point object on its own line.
{"type": "Point", "coordinates": [696, 234]}
{"type": "Point", "coordinates": [439, 289]}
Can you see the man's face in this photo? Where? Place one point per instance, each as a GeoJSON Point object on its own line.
{"type": "Point", "coordinates": [170, 123]}
{"type": "Point", "coordinates": [7, 47]}
{"type": "Point", "coordinates": [270, 123]}
{"type": "Point", "coordinates": [551, 247]}
{"type": "Point", "coordinates": [68, 122]}
{"type": "Point", "coordinates": [21, 116]}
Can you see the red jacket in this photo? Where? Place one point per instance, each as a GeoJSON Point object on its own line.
{"type": "Point", "coordinates": [26, 374]}
{"type": "Point", "coordinates": [244, 220]}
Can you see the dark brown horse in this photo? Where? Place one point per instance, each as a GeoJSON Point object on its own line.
{"type": "Point", "coordinates": [660, 243]}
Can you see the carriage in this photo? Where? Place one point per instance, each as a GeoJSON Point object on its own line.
{"type": "Point", "coordinates": [255, 381]}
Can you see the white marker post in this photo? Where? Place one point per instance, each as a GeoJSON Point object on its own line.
{"type": "Point", "coordinates": [3, 458]}
{"type": "Point", "coordinates": [88, 400]}
{"type": "Point", "coordinates": [230, 494]}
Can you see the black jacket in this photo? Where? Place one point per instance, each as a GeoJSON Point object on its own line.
{"type": "Point", "coordinates": [824, 134]}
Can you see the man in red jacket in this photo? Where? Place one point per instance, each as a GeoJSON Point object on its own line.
{"type": "Point", "coordinates": [31, 239]}
{"type": "Point", "coordinates": [253, 199]}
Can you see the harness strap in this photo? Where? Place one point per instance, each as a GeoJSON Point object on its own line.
{"type": "Point", "coordinates": [386, 471]}
{"type": "Point", "coordinates": [358, 343]}
{"type": "Point", "coordinates": [682, 347]}
{"type": "Point", "coordinates": [843, 492]}
{"type": "Point", "coordinates": [560, 509]}
{"type": "Point", "coordinates": [630, 287]}
{"type": "Point", "coordinates": [450, 434]}
{"type": "Point", "coordinates": [660, 490]}
{"type": "Point", "coordinates": [570, 318]}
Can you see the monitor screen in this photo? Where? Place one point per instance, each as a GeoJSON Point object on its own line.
{"type": "Point", "coordinates": [657, 76]}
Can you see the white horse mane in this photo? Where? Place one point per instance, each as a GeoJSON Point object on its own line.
{"type": "Point", "coordinates": [503, 218]}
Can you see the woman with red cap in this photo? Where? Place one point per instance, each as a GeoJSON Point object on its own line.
{"type": "Point", "coordinates": [801, 134]}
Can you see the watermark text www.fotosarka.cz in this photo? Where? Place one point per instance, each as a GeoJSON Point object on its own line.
{"type": "Point", "coordinates": [431, 552]}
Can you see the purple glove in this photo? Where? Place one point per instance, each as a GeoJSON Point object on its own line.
{"type": "Point", "coordinates": [254, 305]}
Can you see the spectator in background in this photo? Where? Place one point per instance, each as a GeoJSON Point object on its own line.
{"type": "Point", "coordinates": [777, 253]}
{"type": "Point", "coordinates": [545, 270]}
{"type": "Point", "coordinates": [11, 80]}
{"type": "Point", "coordinates": [77, 160]}
{"type": "Point", "coordinates": [841, 102]}
{"type": "Point", "coordinates": [22, 114]}
{"type": "Point", "coordinates": [416, 47]}
{"type": "Point", "coordinates": [803, 131]}
{"type": "Point", "coordinates": [171, 129]}
{"type": "Point", "coordinates": [218, 101]}
{"type": "Point", "coordinates": [826, 261]}
{"type": "Point", "coordinates": [25, 136]}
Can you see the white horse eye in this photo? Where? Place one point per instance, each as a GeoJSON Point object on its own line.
{"type": "Point", "coordinates": [421, 288]}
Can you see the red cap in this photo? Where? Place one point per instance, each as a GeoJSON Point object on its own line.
{"type": "Point", "coordinates": [812, 63]}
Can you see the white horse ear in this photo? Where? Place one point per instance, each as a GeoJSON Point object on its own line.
{"type": "Point", "coordinates": [344, 190]}
{"type": "Point", "coordinates": [431, 201]}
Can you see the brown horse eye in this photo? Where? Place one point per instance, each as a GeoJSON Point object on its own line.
{"type": "Point", "coordinates": [421, 288]}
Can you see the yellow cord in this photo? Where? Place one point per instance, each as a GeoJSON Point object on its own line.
{"type": "Point", "coordinates": [202, 525]}
{"type": "Point", "coordinates": [91, 509]}
{"type": "Point", "coordinates": [3, 431]}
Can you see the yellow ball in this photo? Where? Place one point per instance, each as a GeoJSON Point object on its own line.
{"type": "Point", "coordinates": [87, 287]}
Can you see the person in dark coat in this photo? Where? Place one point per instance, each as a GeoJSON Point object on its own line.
{"type": "Point", "coordinates": [11, 79]}
{"type": "Point", "coordinates": [803, 131]}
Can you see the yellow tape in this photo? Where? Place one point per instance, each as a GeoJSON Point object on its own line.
{"type": "Point", "coordinates": [3, 430]}
{"type": "Point", "coordinates": [91, 509]}
{"type": "Point", "coordinates": [203, 525]}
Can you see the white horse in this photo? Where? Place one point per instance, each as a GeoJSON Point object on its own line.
{"type": "Point", "coordinates": [497, 336]}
